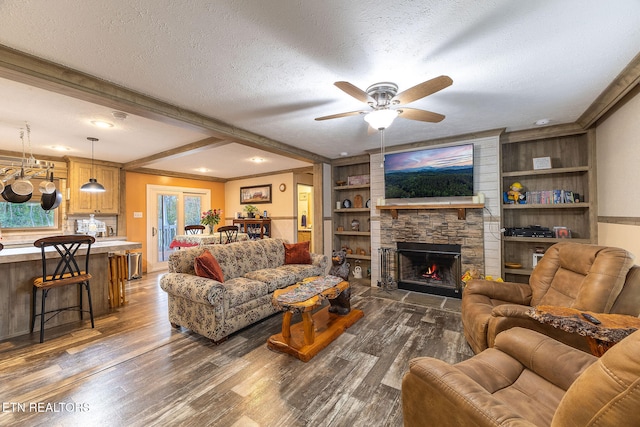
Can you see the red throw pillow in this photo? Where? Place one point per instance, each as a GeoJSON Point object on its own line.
{"type": "Point", "coordinates": [297, 253]}
{"type": "Point", "coordinates": [207, 266]}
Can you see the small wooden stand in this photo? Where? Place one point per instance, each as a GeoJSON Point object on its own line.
{"type": "Point", "coordinates": [117, 279]}
{"type": "Point", "coordinates": [316, 331]}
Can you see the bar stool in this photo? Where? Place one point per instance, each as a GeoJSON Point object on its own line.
{"type": "Point", "coordinates": [66, 272]}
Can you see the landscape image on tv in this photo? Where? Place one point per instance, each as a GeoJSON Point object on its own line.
{"type": "Point", "coordinates": [434, 172]}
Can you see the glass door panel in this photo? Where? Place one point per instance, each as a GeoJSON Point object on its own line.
{"type": "Point", "coordinates": [169, 209]}
{"type": "Point", "coordinates": [192, 209]}
{"type": "Point", "coordinates": [167, 224]}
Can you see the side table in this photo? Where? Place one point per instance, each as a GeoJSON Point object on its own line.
{"type": "Point", "coordinates": [612, 328]}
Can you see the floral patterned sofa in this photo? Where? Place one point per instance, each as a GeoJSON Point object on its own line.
{"type": "Point", "coordinates": [252, 270]}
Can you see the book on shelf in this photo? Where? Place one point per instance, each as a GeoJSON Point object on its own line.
{"type": "Point", "coordinates": [549, 197]}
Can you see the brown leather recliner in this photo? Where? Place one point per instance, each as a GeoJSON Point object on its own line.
{"type": "Point", "coordinates": [527, 379]}
{"type": "Point", "coordinates": [581, 276]}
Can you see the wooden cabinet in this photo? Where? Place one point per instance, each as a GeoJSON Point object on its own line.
{"type": "Point", "coordinates": [255, 228]}
{"type": "Point", "coordinates": [572, 158]}
{"type": "Point", "coordinates": [352, 219]}
{"type": "Point", "coordinates": [81, 202]}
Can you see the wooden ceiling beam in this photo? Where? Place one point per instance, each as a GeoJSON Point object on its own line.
{"type": "Point", "coordinates": [174, 153]}
{"type": "Point", "coordinates": [172, 174]}
{"type": "Point", "coordinates": [28, 69]}
{"type": "Point", "coordinates": [617, 89]}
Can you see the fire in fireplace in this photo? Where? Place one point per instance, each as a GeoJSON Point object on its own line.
{"type": "Point", "coordinates": [432, 273]}
{"type": "Point", "coordinates": [430, 268]}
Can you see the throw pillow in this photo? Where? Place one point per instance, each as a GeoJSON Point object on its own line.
{"type": "Point", "coordinates": [297, 253]}
{"type": "Point", "coordinates": [207, 266]}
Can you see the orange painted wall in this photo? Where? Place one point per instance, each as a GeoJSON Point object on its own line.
{"type": "Point", "coordinates": [136, 201]}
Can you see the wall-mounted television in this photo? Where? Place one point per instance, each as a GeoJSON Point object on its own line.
{"type": "Point", "coordinates": [431, 172]}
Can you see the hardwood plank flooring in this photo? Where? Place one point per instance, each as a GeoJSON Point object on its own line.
{"type": "Point", "coordinates": [134, 369]}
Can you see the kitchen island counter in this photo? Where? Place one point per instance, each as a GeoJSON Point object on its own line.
{"type": "Point", "coordinates": [20, 265]}
{"type": "Point", "coordinates": [30, 253]}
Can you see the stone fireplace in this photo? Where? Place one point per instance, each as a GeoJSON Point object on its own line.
{"type": "Point", "coordinates": [433, 235]}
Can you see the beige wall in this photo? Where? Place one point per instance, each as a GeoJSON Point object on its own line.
{"type": "Point", "coordinates": [618, 153]}
{"type": "Point", "coordinates": [281, 210]}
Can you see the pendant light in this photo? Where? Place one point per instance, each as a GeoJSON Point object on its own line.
{"type": "Point", "coordinates": [93, 186]}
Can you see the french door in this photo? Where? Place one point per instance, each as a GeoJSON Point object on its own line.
{"type": "Point", "coordinates": [169, 209]}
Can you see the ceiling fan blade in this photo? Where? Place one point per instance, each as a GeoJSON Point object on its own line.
{"type": "Point", "coordinates": [423, 89]}
{"type": "Point", "coordinates": [357, 93]}
{"type": "Point", "coordinates": [421, 115]}
{"type": "Point", "coordinates": [337, 116]}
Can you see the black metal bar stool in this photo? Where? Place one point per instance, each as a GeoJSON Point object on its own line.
{"type": "Point", "coordinates": [66, 272]}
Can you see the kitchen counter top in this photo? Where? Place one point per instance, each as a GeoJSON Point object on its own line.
{"type": "Point", "coordinates": [24, 241]}
{"type": "Point", "coordinates": [19, 265]}
{"type": "Point", "coordinates": [31, 253]}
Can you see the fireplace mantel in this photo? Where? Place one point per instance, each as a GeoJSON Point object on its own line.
{"type": "Point", "coordinates": [461, 207]}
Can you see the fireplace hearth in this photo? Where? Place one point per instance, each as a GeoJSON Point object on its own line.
{"type": "Point", "coordinates": [430, 268]}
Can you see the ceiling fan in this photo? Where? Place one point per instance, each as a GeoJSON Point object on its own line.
{"type": "Point", "coordinates": [382, 96]}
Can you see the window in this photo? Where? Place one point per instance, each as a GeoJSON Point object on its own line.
{"type": "Point", "coordinates": [192, 209]}
{"type": "Point", "coordinates": [27, 216]}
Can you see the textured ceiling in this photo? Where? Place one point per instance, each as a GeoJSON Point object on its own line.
{"type": "Point", "coordinates": [269, 67]}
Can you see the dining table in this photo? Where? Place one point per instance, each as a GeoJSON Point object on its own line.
{"type": "Point", "coordinates": [190, 240]}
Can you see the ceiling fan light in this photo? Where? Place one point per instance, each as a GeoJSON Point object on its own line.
{"type": "Point", "coordinates": [93, 186]}
{"type": "Point", "coordinates": [381, 119]}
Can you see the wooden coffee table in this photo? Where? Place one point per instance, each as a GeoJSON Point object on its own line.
{"type": "Point", "coordinates": [612, 328]}
{"type": "Point", "coordinates": [317, 330]}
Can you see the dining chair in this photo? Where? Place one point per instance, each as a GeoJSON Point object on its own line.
{"type": "Point", "coordinates": [194, 229]}
{"type": "Point", "coordinates": [228, 233]}
{"type": "Point", "coordinates": [62, 272]}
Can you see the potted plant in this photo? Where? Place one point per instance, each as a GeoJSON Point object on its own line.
{"type": "Point", "coordinates": [251, 211]}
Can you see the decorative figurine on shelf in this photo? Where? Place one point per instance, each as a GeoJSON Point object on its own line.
{"type": "Point", "coordinates": [515, 195]}
{"type": "Point", "coordinates": [355, 225]}
{"type": "Point", "coordinates": [357, 272]}
{"type": "Point", "coordinates": [357, 201]}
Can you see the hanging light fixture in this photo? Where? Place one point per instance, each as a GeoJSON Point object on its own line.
{"type": "Point", "coordinates": [93, 186]}
{"type": "Point", "coordinates": [380, 120]}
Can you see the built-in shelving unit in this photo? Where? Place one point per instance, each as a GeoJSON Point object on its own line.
{"type": "Point", "coordinates": [351, 225]}
{"type": "Point", "coordinates": [572, 154]}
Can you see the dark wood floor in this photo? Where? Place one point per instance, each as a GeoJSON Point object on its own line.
{"type": "Point", "coordinates": [133, 369]}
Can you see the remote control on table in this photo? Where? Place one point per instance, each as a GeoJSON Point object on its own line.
{"type": "Point", "coordinates": [590, 318]}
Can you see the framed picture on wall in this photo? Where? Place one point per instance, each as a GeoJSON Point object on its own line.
{"type": "Point", "coordinates": [255, 194]}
